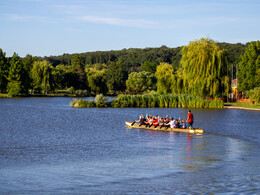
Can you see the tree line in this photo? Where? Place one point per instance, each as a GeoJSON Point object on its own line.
{"type": "Point", "coordinates": [202, 68]}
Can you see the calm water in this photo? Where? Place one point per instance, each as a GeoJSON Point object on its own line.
{"type": "Point", "coordinates": [47, 146]}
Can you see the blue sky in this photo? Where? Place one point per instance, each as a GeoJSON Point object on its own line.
{"type": "Point", "coordinates": [55, 27]}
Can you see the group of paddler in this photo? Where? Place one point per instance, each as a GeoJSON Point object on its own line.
{"type": "Point", "coordinates": [167, 122]}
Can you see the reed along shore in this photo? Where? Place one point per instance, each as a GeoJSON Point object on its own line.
{"type": "Point", "coordinates": [151, 101]}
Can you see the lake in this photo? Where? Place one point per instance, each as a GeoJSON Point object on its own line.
{"type": "Point", "coordinates": [48, 147]}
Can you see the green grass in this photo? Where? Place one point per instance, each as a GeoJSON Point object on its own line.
{"type": "Point", "coordinates": [4, 95]}
{"type": "Point", "coordinates": [246, 105]}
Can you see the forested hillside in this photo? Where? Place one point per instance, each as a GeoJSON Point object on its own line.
{"type": "Point", "coordinates": [132, 70]}
{"type": "Point", "coordinates": [134, 58]}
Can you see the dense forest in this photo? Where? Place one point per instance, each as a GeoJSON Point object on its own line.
{"type": "Point", "coordinates": [163, 69]}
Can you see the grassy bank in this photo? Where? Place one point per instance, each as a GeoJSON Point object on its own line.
{"type": "Point", "coordinates": [4, 95]}
{"type": "Point", "coordinates": [245, 105]}
{"type": "Point", "coordinates": [153, 101]}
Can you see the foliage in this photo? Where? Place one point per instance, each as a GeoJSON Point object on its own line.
{"type": "Point", "coordinates": [80, 103]}
{"type": "Point", "coordinates": [204, 68]}
{"type": "Point", "coordinates": [141, 82]}
{"type": "Point", "coordinates": [71, 90]}
{"type": "Point", "coordinates": [65, 77]}
{"type": "Point", "coordinates": [101, 101]}
{"type": "Point", "coordinates": [14, 88]}
{"type": "Point", "coordinates": [4, 95]}
{"type": "Point", "coordinates": [77, 65]}
{"type": "Point", "coordinates": [42, 76]}
{"type": "Point", "coordinates": [18, 77]}
{"type": "Point", "coordinates": [165, 101]}
{"type": "Point", "coordinates": [249, 67]}
{"type": "Point", "coordinates": [254, 94]}
{"type": "Point", "coordinates": [116, 76]}
{"type": "Point", "coordinates": [149, 67]}
{"type": "Point", "coordinates": [165, 76]}
{"type": "Point", "coordinates": [97, 80]}
{"type": "Point", "coordinates": [81, 93]}
{"type": "Point", "coordinates": [111, 70]}
{"type": "Point", "coordinates": [4, 71]}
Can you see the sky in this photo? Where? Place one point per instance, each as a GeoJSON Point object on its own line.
{"type": "Point", "coordinates": [54, 27]}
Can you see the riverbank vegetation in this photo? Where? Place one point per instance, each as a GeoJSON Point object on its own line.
{"type": "Point", "coordinates": [244, 105]}
{"type": "Point", "coordinates": [152, 100]}
{"type": "Point", "coordinates": [203, 68]}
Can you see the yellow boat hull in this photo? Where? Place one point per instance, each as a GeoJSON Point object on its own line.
{"type": "Point", "coordinates": [136, 125]}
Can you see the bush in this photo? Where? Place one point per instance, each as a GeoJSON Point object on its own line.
{"type": "Point", "coordinates": [14, 88]}
{"type": "Point", "coordinates": [71, 90]}
{"type": "Point", "coordinates": [81, 93]}
{"type": "Point", "coordinates": [254, 94]}
{"type": "Point", "coordinates": [101, 101]}
{"type": "Point", "coordinates": [80, 103]}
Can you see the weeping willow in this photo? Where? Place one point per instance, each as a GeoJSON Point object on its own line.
{"type": "Point", "coordinates": [42, 76]}
{"type": "Point", "coordinates": [204, 67]}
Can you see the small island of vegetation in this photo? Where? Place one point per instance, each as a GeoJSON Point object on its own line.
{"type": "Point", "coordinates": [151, 100]}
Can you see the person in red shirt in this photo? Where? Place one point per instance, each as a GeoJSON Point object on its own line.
{"type": "Point", "coordinates": [190, 119]}
{"type": "Point", "coordinates": [155, 122]}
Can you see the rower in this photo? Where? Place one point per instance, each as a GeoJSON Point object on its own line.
{"type": "Point", "coordinates": [183, 124]}
{"type": "Point", "coordinates": [161, 122]}
{"type": "Point", "coordinates": [154, 122]}
{"type": "Point", "coordinates": [149, 121]}
{"type": "Point", "coordinates": [176, 124]}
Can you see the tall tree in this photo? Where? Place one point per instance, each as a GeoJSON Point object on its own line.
{"type": "Point", "coordinates": [97, 81]}
{"type": "Point", "coordinates": [78, 65]}
{"type": "Point", "coordinates": [165, 77]}
{"type": "Point", "coordinates": [249, 67]}
{"type": "Point", "coordinates": [42, 76]}
{"type": "Point", "coordinates": [204, 67]}
{"type": "Point", "coordinates": [17, 77]}
{"type": "Point", "coordinates": [4, 71]}
{"type": "Point", "coordinates": [117, 76]}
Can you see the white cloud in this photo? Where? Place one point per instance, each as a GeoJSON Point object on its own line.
{"type": "Point", "coordinates": [117, 21]}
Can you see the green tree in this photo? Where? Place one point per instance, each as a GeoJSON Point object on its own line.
{"type": "Point", "coordinates": [97, 81]}
{"type": "Point", "coordinates": [117, 76]}
{"type": "Point", "coordinates": [18, 77]}
{"type": "Point", "coordinates": [249, 67]}
{"type": "Point", "coordinates": [204, 67]}
{"type": "Point", "coordinates": [28, 64]}
{"type": "Point", "coordinates": [42, 76]}
{"type": "Point", "coordinates": [64, 77]}
{"type": "Point", "coordinates": [77, 62]}
{"type": "Point", "coordinates": [141, 82]}
{"type": "Point", "coordinates": [78, 65]}
{"type": "Point", "coordinates": [28, 61]}
{"type": "Point", "coordinates": [149, 67]}
{"type": "Point", "coordinates": [4, 71]}
{"type": "Point", "coordinates": [58, 74]}
{"type": "Point", "coordinates": [165, 77]}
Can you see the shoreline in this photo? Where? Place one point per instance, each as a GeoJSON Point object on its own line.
{"type": "Point", "coordinates": [241, 108]}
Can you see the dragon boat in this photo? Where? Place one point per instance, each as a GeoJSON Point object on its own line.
{"type": "Point", "coordinates": [137, 125]}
